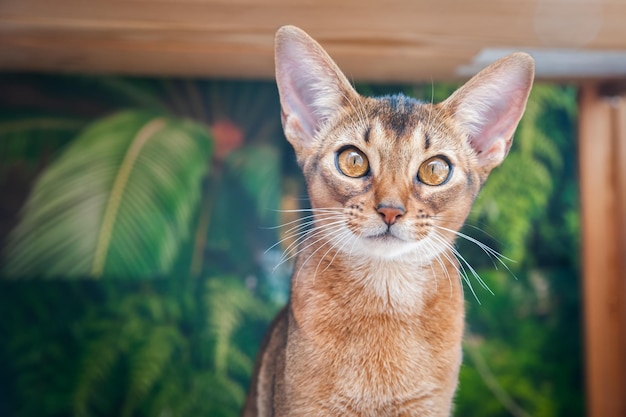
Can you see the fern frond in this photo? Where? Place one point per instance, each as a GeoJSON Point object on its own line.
{"type": "Point", "coordinates": [118, 202]}
{"type": "Point", "coordinates": [147, 363]}
{"type": "Point", "coordinates": [98, 362]}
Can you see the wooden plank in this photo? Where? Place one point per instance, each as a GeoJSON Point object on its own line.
{"type": "Point", "coordinates": [602, 140]}
{"type": "Point", "coordinates": [392, 40]}
{"type": "Point", "coordinates": [620, 163]}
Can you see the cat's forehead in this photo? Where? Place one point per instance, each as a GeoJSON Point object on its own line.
{"type": "Point", "coordinates": [397, 127]}
{"type": "Point", "coordinates": [397, 113]}
{"type": "Point", "coordinates": [400, 119]}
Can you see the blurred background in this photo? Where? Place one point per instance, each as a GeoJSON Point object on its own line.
{"type": "Point", "coordinates": [144, 179]}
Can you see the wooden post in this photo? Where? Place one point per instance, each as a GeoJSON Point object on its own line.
{"type": "Point", "coordinates": [602, 150]}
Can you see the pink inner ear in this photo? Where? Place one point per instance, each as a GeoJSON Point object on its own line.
{"type": "Point", "coordinates": [301, 74]}
{"type": "Point", "coordinates": [297, 100]}
{"type": "Point", "coordinates": [490, 107]}
{"type": "Point", "coordinates": [310, 85]}
{"type": "Point", "coordinates": [498, 122]}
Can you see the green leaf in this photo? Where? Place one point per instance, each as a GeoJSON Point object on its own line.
{"type": "Point", "coordinates": [141, 93]}
{"type": "Point", "coordinates": [258, 170]}
{"type": "Point", "coordinates": [147, 364]}
{"type": "Point", "coordinates": [118, 202]}
{"type": "Point", "coordinates": [30, 140]}
{"type": "Point", "coordinates": [98, 363]}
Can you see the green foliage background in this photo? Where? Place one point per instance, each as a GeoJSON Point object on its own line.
{"type": "Point", "coordinates": [181, 340]}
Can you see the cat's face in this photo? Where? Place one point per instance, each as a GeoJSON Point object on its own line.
{"type": "Point", "coordinates": [391, 175]}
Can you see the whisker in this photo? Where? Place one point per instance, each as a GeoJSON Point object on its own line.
{"type": "Point", "coordinates": [310, 220]}
{"type": "Point", "coordinates": [288, 223]}
{"type": "Point", "coordinates": [432, 267]}
{"type": "Point", "coordinates": [454, 262]}
{"type": "Point", "coordinates": [299, 229]}
{"type": "Point", "coordinates": [464, 263]}
{"type": "Point", "coordinates": [312, 210]}
{"type": "Point", "coordinates": [492, 253]}
{"type": "Point", "coordinates": [472, 270]}
{"type": "Point", "coordinates": [304, 231]}
{"type": "Point", "coordinates": [315, 251]}
{"type": "Point", "coordinates": [346, 235]}
{"type": "Point", "coordinates": [324, 214]}
{"type": "Point", "coordinates": [291, 233]}
{"type": "Point", "coordinates": [304, 236]}
{"type": "Point", "coordinates": [441, 263]}
{"type": "Point", "coordinates": [465, 224]}
{"type": "Point", "coordinates": [309, 234]}
{"type": "Point", "coordinates": [464, 267]}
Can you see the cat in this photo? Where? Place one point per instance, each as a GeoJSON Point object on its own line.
{"type": "Point", "coordinates": [375, 318]}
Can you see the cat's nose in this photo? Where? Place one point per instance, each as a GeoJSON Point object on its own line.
{"type": "Point", "coordinates": [390, 213]}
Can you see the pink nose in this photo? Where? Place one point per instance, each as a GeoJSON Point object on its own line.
{"type": "Point", "coordinates": [389, 213]}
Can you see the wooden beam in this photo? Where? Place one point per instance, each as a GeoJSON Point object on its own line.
{"type": "Point", "coordinates": [602, 150]}
{"type": "Point", "coordinates": [391, 40]}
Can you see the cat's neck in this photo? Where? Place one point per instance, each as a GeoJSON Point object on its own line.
{"type": "Point", "coordinates": [341, 281]}
{"type": "Point", "coordinates": [337, 292]}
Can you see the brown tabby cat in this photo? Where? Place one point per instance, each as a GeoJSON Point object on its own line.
{"type": "Point", "coordinates": [375, 319]}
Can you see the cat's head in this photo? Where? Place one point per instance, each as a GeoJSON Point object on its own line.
{"type": "Point", "coordinates": [391, 174]}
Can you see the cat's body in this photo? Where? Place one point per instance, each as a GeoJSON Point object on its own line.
{"type": "Point", "coordinates": [375, 320]}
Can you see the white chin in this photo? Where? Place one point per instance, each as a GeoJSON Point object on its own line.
{"type": "Point", "coordinates": [387, 247]}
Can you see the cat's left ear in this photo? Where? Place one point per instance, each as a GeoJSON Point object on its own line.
{"type": "Point", "coordinates": [489, 107]}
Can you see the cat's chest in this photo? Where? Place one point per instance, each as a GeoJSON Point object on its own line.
{"type": "Point", "coordinates": [374, 353]}
{"type": "Point", "coordinates": [372, 312]}
{"type": "Point", "coordinates": [376, 364]}
{"type": "Point", "coordinates": [379, 336]}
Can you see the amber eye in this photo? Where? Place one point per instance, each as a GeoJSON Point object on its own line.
{"type": "Point", "coordinates": [434, 171]}
{"type": "Point", "coordinates": [352, 162]}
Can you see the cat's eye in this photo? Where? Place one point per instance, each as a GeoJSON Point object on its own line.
{"type": "Point", "coordinates": [434, 171]}
{"type": "Point", "coordinates": [352, 162]}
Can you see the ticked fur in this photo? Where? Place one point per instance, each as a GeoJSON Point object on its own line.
{"type": "Point", "coordinates": [375, 319]}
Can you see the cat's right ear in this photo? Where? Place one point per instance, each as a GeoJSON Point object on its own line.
{"type": "Point", "coordinates": [312, 88]}
{"type": "Point", "coordinates": [489, 107]}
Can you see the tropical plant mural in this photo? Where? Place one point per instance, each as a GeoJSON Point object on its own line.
{"type": "Point", "coordinates": [138, 223]}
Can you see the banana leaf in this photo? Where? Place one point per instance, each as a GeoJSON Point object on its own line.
{"type": "Point", "coordinates": [118, 202]}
